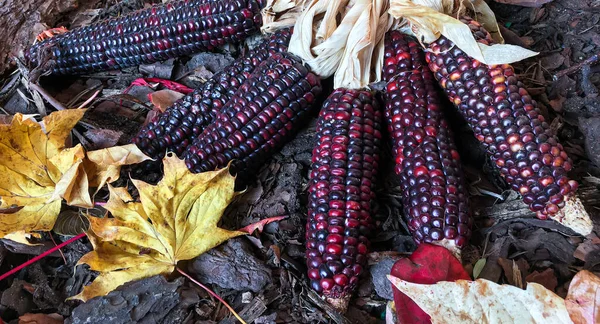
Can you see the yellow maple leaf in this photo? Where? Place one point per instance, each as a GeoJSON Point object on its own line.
{"type": "Point", "coordinates": [175, 220]}
{"type": "Point", "coordinates": [38, 171]}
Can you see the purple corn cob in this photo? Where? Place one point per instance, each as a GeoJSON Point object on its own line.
{"type": "Point", "coordinates": [341, 190]}
{"type": "Point", "coordinates": [434, 194]}
{"type": "Point", "coordinates": [175, 129]}
{"type": "Point", "coordinates": [261, 116]}
{"type": "Point", "coordinates": [507, 121]}
{"type": "Point", "coordinates": [164, 31]}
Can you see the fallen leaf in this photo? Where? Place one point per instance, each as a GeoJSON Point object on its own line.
{"type": "Point", "coordinates": [591, 245]}
{"type": "Point", "coordinates": [428, 264]}
{"type": "Point", "coordinates": [71, 222]}
{"type": "Point", "coordinates": [163, 99]}
{"type": "Point", "coordinates": [478, 267]}
{"type": "Point", "coordinates": [104, 166]}
{"type": "Point", "coordinates": [557, 103]}
{"type": "Point", "coordinates": [172, 85]}
{"type": "Point", "coordinates": [514, 274]}
{"type": "Point", "coordinates": [546, 278]}
{"type": "Point", "coordinates": [38, 171]}
{"type": "Point", "coordinates": [41, 319]}
{"type": "Point", "coordinates": [22, 237]}
{"type": "Point", "coordinates": [483, 301]}
{"type": "Point", "coordinates": [583, 299]}
{"type": "Point", "coordinates": [103, 138]}
{"type": "Point", "coordinates": [175, 220]}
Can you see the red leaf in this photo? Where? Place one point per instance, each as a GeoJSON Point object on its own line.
{"type": "Point", "coordinates": [427, 265]}
{"type": "Point", "coordinates": [260, 224]}
{"type": "Point", "coordinates": [171, 85]}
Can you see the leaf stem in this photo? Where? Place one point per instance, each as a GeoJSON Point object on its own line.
{"type": "Point", "coordinates": [212, 294]}
{"type": "Point", "coordinates": [41, 256]}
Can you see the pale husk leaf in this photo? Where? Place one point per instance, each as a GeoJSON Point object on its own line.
{"type": "Point", "coordinates": [483, 301]}
{"type": "Point", "coordinates": [364, 47]}
{"type": "Point", "coordinates": [344, 38]}
{"type": "Point", "coordinates": [430, 19]}
{"type": "Point", "coordinates": [278, 14]}
{"type": "Point", "coordinates": [303, 38]}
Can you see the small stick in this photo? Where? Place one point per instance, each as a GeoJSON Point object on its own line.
{"type": "Point", "coordinates": [55, 103]}
{"type": "Point", "coordinates": [212, 294]}
{"type": "Point", "coordinates": [39, 257]}
{"type": "Point", "coordinates": [59, 250]}
{"type": "Point", "coordinates": [576, 67]}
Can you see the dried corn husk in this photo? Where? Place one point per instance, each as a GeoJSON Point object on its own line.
{"type": "Point", "coordinates": [279, 14]}
{"type": "Point", "coordinates": [344, 38]}
{"type": "Point", "coordinates": [430, 19]}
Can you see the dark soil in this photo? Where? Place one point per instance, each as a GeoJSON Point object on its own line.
{"type": "Point", "coordinates": [263, 276]}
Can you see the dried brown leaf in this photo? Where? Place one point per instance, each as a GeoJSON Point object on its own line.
{"type": "Point", "coordinates": [583, 299]}
{"type": "Point", "coordinates": [163, 99]}
{"type": "Point", "coordinates": [546, 278]}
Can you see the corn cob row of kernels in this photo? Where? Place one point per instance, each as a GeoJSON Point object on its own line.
{"type": "Point", "coordinates": [265, 112]}
{"type": "Point", "coordinates": [434, 193]}
{"type": "Point", "coordinates": [176, 128]}
{"type": "Point", "coordinates": [155, 34]}
{"type": "Point", "coordinates": [344, 165]}
{"type": "Point", "coordinates": [507, 121]}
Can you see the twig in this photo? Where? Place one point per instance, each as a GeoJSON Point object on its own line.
{"type": "Point", "coordinates": [590, 60]}
{"type": "Point", "coordinates": [41, 256]}
{"type": "Point", "coordinates": [55, 103]}
{"type": "Point", "coordinates": [90, 99]}
{"type": "Point", "coordinates": [59, 250]}
{"type": "Point", "coordinates": [212, 293]}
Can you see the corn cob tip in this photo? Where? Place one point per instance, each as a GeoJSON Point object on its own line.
{"type": "Point", "coordinates": [574, 216]}
{"type": "Point", "coordinates": [340, 304]}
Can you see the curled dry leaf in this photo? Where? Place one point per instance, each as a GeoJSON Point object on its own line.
{"type": "Point", "coordinates": [483, 301]}
{"type": "Point", "coordinates": [428, 264]}
{"type": "Point", "coordinates": [429, 19]}
{"type": "Point", "coordinates": [38, 171]}
{"type": "Point", "coordinates": [162, 99]}
{"type": "Point", "coordinates": [104, 166]}
{"type": "Point", "coordinates": [174, 220]}
{"type": "Point", "coordinates": [279, 14]}
{"type": "Point", "coordinates": [583, 299]}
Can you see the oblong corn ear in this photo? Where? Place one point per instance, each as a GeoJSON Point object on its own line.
{"type": "Point", "coordinates": [265, 112]}
{"type": "Point", "coordinates": [507, 121]}
{"type": "Point", "coordinates": [341, 192]}
{"type": "Point", "coordinates": [158, 33]}
{"type": "Point", "coordinates": [185, 120]}
{"type": "Point", "coordinates": [434, 194]}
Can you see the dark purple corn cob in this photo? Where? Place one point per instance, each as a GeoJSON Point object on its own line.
{"type": "Point", "coordinates": [164, 31]}
{"type": "Point", "coordinates": [507, 121]}
{"type": "Point", "coordinates": [434, 194]}
{"type": "Point", "coordinates": [265, 112]}
{"type": "Point", "coordinates": [341, 189]}
{"type": "Point", "coordinates": [175, 129]}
